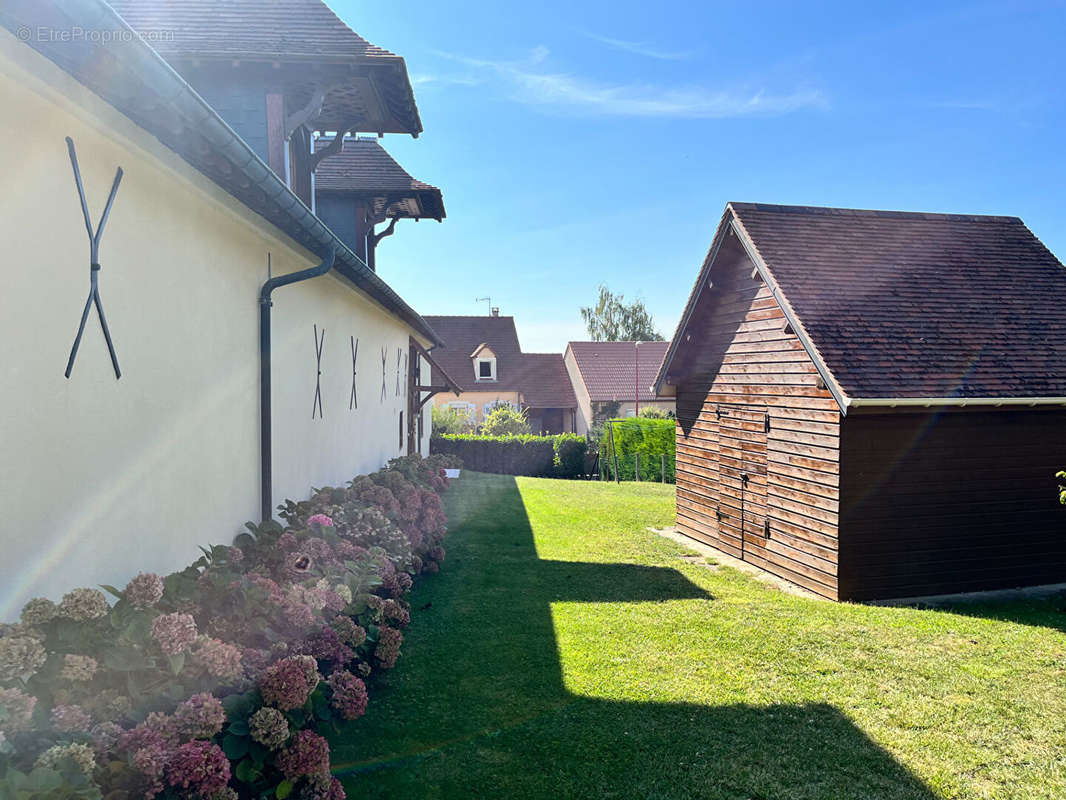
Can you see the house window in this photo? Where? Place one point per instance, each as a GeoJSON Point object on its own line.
{"type": "Point", "coordinates": [485, 369]}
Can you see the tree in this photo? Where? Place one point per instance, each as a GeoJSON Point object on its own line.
{"type": "Point", "coordinates": [504, 420]}
{"type": "Point", "coordinates": [612, 320]}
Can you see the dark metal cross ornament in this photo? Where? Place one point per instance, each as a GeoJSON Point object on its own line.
{"type": "Point", "coordinates": [398, 353]}
{"type": "Point", "coordinates": [94, 263]}
{"type": "Point", "coordinates": [353, 401]}
{"type": "Point", "coordinates": [316, 404]}
{"type": "Point", "coordinates": [384, 357]}
{"type": "Point", "coordinates": [405, 373]}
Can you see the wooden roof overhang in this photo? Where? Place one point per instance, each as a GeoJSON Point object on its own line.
{"type": "Point", "coordinates": [131, 76]}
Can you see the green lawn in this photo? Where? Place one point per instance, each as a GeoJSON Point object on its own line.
{"type": "Point", "coordinates": [564, 651]}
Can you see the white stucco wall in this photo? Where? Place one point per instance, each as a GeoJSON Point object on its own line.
{"type": "Point", "coordinates": [101, 478]}
{"type": "Point", "coordinates": [584, 404]}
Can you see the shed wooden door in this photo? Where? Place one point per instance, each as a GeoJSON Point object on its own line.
{"type": "Point", "coordinates": [742, 479]}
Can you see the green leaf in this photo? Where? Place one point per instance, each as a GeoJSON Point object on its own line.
{"type": "Point", "coordinates": [284, 789]}
{"type": "Point", "coordinates": [239, 727]}
{"type": "Point", "coordinates": [234, 747]}
{"type": "Point", "coordinates": [177, 663]}
{"type": "Point", "coordinates": [245, 772]}
{"type": "Point", "coordinates": [112, 590]}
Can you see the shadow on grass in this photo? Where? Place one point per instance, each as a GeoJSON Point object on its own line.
{"type": "Point", "coordinates": [478, 707]}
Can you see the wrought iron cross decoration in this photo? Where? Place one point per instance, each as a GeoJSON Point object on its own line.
{"type": "Point", "coordinates": [317, 402]}
{"type": "Point", "coordinates": [384, 356]}
{"type": "Point", "coordinates": [353, 401]}
{"type": "Point", "coordinates": [94, 263]}
{"type": "Point", "coordinates": [405, 368]}
{"type": "Point", "coordinates": [398, 351]}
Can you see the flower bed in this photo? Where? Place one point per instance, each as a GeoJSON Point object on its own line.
{"type": "Point", "coordinates": [216, 682]}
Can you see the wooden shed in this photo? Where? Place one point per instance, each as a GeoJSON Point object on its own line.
{"type": "Point", "coordinates": [872, 404]}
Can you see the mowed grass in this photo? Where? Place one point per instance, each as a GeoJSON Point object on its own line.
{"type": "Point", "coordinates": [565, 651]}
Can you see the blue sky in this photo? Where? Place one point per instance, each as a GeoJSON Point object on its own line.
{"type": "Point", "coordinates": [586, 142]}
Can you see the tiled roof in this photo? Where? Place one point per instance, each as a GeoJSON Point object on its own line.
{"type": "Point", "coordinates": [919, 305]}
{"type": "Point", "coordinates": [257, 29]}
{"type": "Point", "coordinates": [363, 167]}
{"type": "Point", "coordinates": [609, 369]}
{"type": "Point", "coordinates": [541, 378]}
{"type": "Point", "coordinates": [365, 83]}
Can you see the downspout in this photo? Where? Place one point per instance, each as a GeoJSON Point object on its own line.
{"type": "Point", "coordinates": [265, 442]}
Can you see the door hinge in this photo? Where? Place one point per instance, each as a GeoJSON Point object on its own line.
{"type": "Point", "coordinates": [766, 528]}
{"type": "Point", "coordinates": [766, 422]}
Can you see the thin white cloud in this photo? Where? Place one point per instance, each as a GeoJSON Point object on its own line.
{"type": "Point", "coordinates": [641, 48]}
{"type": "Point", "coordinates": [528, 82]}
{"type": "Point", "coordinates": [424, 79]}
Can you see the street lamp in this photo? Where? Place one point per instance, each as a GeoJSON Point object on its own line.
{"type": "Point", "coordinates": [636, 379]}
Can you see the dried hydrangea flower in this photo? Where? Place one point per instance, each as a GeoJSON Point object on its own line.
{"type": "Point", "coordinates": [307, 755]}
{"type": "Point", "coordinates": [78, 668]}
{"type": "Point", "coordinates": [289, 682]}
{"type": "Point", "coordinates": [269, 727]}
{"type": "Point", "coordinates": [388, 646]}
{"type": "Point", "coordinates": [199, 766]}
{"type": "Point", "coordinates": [20, 657]}
{"type": "Point", "coordinates": [200, 717]}
{"type": "Point", "coordinates": [82, 755]}
{"type": "Point", "coordinates": [105, 736]}
{"type": "Point", "coordinates": [84, 604]}
{"type": "Point", "coordinates": [144, 590]}
{"type": "Point", "coordinates": [38, 611]}
{"type": "Point", "coordinates": [221, 660]}
{"type": "Point", "coordinates": [16, 710]}
{"type": "Point", "coordinates": [174, 632]}
{"type": "Point", "coordinates": [349, 694]}
{"type": "Point", "coordinates": [349, 632]}
{"type": "Point", "coordinates": [71, 719]}
{"type": "Point", "coordinates": [321, 787]}
{"type": "Point", "coordinates": [397, 611]}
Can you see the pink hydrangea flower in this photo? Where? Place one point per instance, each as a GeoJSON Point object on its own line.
{"type": "Point", "coordinates": [199, 766]}
{"type": "Point", "coordinates": [200, 717]}
{"type": "Point", "coordinates": [221, 660]}
{"type": "Point", "coordinates": [288, 683]}
{"type": "Point", "coordinates": [144, 590]}
{"type": "Point", "coordinates": [388, 646]}
{"type": "Point", "coordinates": [320, 519]}
{"type": "Point", "coordinates": [71, 719]}
{"type": "Point", "coordinates": [307, 755]}
{"type": "Point", "coordinates": [349, 694]}
{"type": "Point", "coordinates": [174, 632]}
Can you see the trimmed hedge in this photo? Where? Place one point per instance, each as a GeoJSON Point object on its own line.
{"type": "Point", "coordinates": [559, 456]}
{"type": "Point", "coordinates": [651, 439]}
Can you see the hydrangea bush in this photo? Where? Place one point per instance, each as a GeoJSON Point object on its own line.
{"type": "Point", "coordinates": [216, 682]}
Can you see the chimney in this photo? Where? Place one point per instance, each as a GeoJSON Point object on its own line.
{"type": "Point", "coordinates": [495, 311]}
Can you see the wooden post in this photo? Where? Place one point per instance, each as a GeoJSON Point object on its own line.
{"type": "Point", "coordinates": [636, 467]}
{"type": "Point", "coordinates": [664, 467]}
{"type": "Point", "coordinates": [610, 431]}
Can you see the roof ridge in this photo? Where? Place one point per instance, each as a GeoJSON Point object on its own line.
{"type": "Point", "coordinates": [834, 211]}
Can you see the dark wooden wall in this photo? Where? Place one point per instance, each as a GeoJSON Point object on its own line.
{"type": "Point", "coordinates": [741, 360]}
{"type": "Point", "coordinates": [956, 501]}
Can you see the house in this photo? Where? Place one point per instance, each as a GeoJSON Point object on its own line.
{"type": "Point", "coordinates": [246, 353]}
{"type": "Point", "coordinates": [485, 360]}
{"type": "Point", "coordinates": [613, 379]}
{"type": "Point", "coordinates": [358, 185]}
{"type": "Point", "coordinates": [873, 404]}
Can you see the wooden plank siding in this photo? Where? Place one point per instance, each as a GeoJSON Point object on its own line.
{"type": "Point", "coordinates": [741, 364]}
{"type": "Point", "coordinates": [951, 502]}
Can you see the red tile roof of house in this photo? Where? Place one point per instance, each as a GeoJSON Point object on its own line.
{"type": "Point", "coordinates": [363, 167]}
{"type": "Point", "coordinates": [609, 369]}
{"type": "Point", "coordinates": [541, 378]}
{"type": "Point", "coordinates": [358, 76]}
{"type": "Point", "coordinates": [913, 305]}
{"type": "Point", "coordinates": [254, 29]}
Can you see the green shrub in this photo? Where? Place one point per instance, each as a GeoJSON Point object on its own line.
{"type": "Point", "coordinates": [648, 439]}
{"type": "Point", "coordinates": [560, 456]}
{"type": "Point", "coordinates": [505, 421]}
{"type": "Point", "coordinates": [656, 412]}
{"type": "Point", "coordinates": [450, 420]}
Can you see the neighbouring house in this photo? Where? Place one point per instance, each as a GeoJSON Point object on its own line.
{"type": "Point", "coordinates": [484, 358]}
{"type": "Point", "coordinates": [871, 404]}
{"type": "Point", "coordinates": [613, 379]}
{"type": "Point", "coordinates": [248, 353]}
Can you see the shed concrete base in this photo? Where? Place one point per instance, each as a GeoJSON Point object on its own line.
{"type": "Point", "coordinates": [990, 596]}
{"type": "Point", "coordinates": [727, 560]}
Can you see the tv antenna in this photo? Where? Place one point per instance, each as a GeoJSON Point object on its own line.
{"type": "Point", "coordinates": [484, 300]}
